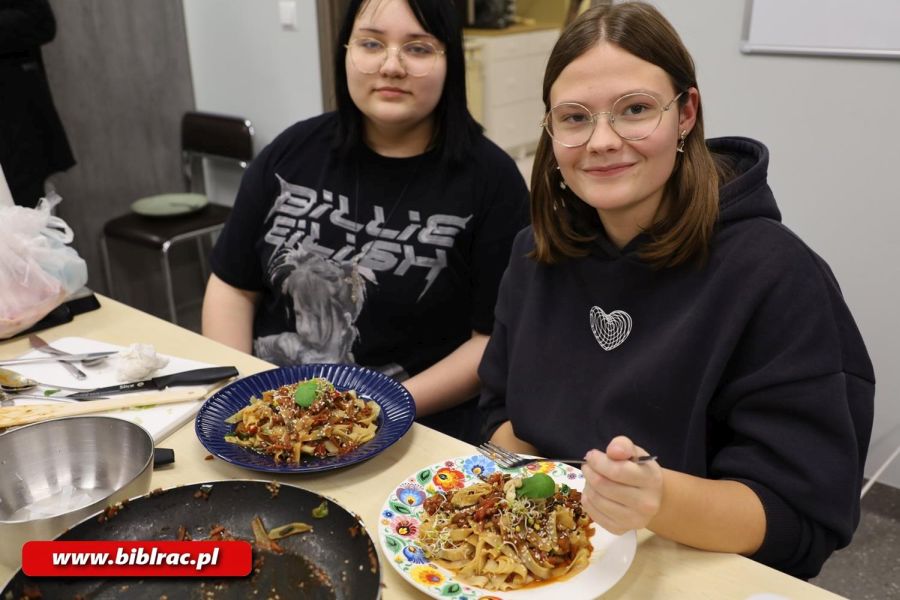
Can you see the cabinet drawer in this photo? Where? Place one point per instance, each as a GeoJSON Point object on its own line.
{"type": "Point", "coordinates": [510, 70]}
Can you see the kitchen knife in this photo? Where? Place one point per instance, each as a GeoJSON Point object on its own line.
{"type": "Point", "coordinates": [50, 358]}
{"type": "Point", "coordinates": [194, 377]}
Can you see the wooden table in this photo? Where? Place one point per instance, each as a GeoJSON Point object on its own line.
{"type": "Point", "coordinates": [661, 569]}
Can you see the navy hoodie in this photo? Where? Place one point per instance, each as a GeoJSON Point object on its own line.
{"type": "Point", "coordinates": [749, 367]}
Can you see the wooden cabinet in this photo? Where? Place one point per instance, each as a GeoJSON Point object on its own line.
{"type": "Point", "coordinates": [504, 73]}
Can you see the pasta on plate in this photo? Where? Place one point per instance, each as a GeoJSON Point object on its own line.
{"type": "Point", "coordinates": [308, 417]}
{"type": "Point", "coordinates": [491, 535]}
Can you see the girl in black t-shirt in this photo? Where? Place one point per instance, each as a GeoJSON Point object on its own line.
{"type": "Point", "coordinates": [377, 234]}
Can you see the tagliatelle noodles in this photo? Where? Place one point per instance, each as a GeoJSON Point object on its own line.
{"type": "Point", "coordinates": [490, 538]}
{"type": "Point", "coordinates": [334, 424]}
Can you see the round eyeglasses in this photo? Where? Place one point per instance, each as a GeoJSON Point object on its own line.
{"type": "Point", "coordinates": [633, 117]}
{"type": "Point", "coordinates": [368, 55]}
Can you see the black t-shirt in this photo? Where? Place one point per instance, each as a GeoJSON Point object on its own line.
{"type": "Point", "coordinates": [385, 262]}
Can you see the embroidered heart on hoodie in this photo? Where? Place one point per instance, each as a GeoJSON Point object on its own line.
{"type": "Point", "coordinates": [610, 329]}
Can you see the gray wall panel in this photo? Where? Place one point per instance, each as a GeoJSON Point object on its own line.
{"type": "Point", "coordinates": [120, 76]}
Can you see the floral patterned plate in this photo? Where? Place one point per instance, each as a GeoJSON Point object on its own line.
{"type": "Point", "coordinates": [399, 526]}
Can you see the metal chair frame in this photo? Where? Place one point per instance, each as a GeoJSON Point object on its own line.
{"type": "Point", "coordinates": [203, 135]}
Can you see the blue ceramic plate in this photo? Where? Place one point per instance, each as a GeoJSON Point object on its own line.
{"type": "Point", "coordinates": [397, 414]}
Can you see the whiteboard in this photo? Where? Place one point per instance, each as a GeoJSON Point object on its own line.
{"type": "Point", "coordinates": [854, 28]}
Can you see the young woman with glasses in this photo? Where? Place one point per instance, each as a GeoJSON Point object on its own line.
{"type": "Point", "coordinates": [377, 234]}
{"type": "Point", "coordinates": [658, 306]}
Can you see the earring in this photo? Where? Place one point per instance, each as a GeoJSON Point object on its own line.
{"type": "Point", "coordinates": [683, 135]}
{"type": "Point", "coordinates": [562, 182]}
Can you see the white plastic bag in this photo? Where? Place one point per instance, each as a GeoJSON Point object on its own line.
{"type": "Point", "coordinates": [38, 271]}
{"type": "Point", "coordinates": [5, 194]}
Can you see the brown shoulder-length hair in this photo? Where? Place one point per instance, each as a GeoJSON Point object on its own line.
{"type": "Point", "coordinates": [564, 225]}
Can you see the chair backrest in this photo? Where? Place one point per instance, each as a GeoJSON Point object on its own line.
{"type": "Point", "coordinates": [220, 137]}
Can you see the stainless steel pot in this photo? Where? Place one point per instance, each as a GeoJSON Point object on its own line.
{"type": "Point", "coordinates": [56, 473]}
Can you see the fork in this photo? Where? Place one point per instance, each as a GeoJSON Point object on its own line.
{"type": "Point", "coordinates": [38, 343]}
{"type": "Point", "coordinates": [41, 346]}
{"type": "Point", "coordinates": [510, 460]}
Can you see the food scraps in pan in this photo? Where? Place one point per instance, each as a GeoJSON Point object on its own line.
{"type": "Point", "coordinates": [321, 511]}
{"type": "Point", "coordinates": [304, 577]}
{"type": "Point", "coordinates": [273, 487]}
{"type": "Point", "coordinates": [202, 492]}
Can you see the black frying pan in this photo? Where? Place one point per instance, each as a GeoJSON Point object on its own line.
{"type": "Point", "coordinates": [349, 561]}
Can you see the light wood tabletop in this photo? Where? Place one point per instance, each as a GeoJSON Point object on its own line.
{"type": "Point", "coordinates": [662, 569]}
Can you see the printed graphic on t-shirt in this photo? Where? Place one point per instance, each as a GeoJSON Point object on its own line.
{"type": "Point", "coordinates": [317, 262]}
{"type": "Point", "coordinates": [610, 329]}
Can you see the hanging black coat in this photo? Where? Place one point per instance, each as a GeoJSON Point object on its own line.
{"type": "Point", "coordinates": [33, 144]}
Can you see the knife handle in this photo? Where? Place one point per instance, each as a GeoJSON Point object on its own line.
{"type": "Point", "coordinates": [197, 376]}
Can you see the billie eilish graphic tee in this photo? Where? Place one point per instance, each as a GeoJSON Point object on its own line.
{"type": "Point", "coordinates": [385, 262]}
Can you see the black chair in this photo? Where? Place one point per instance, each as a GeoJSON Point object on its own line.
{"type": "Point", "coordinates": [159, 222]}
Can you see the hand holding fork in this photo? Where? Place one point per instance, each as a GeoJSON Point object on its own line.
{"type": "Point", "coordinates": [619, 497]}
{"type": "Point", "coordinates": [510, 460]}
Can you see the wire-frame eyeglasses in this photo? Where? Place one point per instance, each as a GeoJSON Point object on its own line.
{"type": "Point", "coordinates": [632, 117]}
{"type": "Point", "coordinates": [368, 55]}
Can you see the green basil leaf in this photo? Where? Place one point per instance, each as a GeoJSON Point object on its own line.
{"type": "Point", "coordinates": [539, 485]}
{"type": "Point", "coordinates": [305, 394]}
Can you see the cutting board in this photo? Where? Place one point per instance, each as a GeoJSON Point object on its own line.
{"type": "Point", "coordinates": [159, 421]}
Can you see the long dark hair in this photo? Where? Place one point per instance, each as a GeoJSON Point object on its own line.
{"type": "Point", "coordinates": [563, 224]}
{"type": "Point", "coordinates": [455, 129]}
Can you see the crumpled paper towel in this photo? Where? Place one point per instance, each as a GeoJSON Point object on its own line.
{"type": "Point", "coordinates": [138, 361]}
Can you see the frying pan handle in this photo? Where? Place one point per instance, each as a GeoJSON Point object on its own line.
{"type": "Point", "coordinates": [163, 456]}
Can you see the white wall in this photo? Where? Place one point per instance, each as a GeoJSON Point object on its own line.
{"type": "Point", "coordinates": [831, 125]}
{"type": "Point", "coordinates": [243, 63]}
{"type": "Point", "coordinates": [832, 128]}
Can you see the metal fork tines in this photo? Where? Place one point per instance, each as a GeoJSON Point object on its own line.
{"type": "Point", "coordinates": [510, 460]}
{"type": "Point", "coordinates": [41, 346]}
